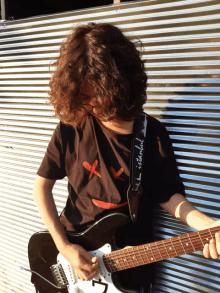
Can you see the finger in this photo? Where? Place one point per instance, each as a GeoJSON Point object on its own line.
{"type": "Point", "coordinates": [88, 266]}
{"type": "Point", "coordinates": [95, 266]}
{"type": "Point", "coordinates": [213, 249]}
{"type": "Point", "coordinates": [92, 275]}
{"type": "Point", "coordinates": [95, 260]}
{"type": "Point", "coordinates": [217, 237]}
{"type": "Point", "coordinates": [85, 276]}
{"type": "Point", "coordinates": [84, 264]}
{"type": "Point", "coordinates": [206, 252]}
{"type": "Point", "coordinates": [81, 274]}
{"type": "Point", "coordinates": [88, 257]}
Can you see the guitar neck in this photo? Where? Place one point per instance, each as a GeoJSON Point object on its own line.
{"type": "Point", "coordinates": [156, 251]}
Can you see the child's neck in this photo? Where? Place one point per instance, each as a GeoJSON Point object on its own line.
{"type": "Point", "coordinates": [123, 127]}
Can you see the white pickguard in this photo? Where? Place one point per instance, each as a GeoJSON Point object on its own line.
{"type": "Point", "coordinates": [102, 283]}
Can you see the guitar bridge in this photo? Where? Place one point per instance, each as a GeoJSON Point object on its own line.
{"type": "Point", "coordinates": [59, 275]}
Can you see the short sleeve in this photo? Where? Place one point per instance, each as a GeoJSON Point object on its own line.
{"type": "Point", "coordinates": [167, 181]}
{"type": "Point", "coordinates": [53, 164]}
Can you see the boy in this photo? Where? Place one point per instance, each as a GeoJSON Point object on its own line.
{"type": "Point", "coordinates": [98, 90]}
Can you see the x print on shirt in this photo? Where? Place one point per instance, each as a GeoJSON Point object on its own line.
{"type": "Point", "coordinates": [117, 174]}
{"type": "Point", "coordinates": [91, 168]}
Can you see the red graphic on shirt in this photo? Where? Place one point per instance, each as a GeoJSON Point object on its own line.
{"type": "Point", "coordinates": [107, 205]}
{"type": "Point", "coordinates": [91, 168]}
{"type": "Point", "coordinates": [117, 174]}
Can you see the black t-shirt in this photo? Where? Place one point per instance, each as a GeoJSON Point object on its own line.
{"type": "Point", "coordinates": [96, 161]}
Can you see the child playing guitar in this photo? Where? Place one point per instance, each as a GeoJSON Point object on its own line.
{"type": "Point", "coordinates": [98, 90]}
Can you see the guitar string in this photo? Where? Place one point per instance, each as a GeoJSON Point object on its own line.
{"type": "Point", "coordinates": [155, 248]}
{"type": "Point", "coordinates": [184, 239]}
{"type": "Point", "coordinates": [153, 252]}
{"type": "Point", "coordinates": [132, 258]}
{"type": "Point", "coordinates": [180, 243]}
{"type": "Point", "coordinates": [119, 255]}
{"type": "Point", "coordinates": [187, 238]}
{"type": "Point", "coordinates": [128, 259]}
{"type": "Point", "coordinates": [195, 239]}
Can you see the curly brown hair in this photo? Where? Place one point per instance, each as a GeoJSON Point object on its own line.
{"type": "Point", "coordinates": [100, 53]}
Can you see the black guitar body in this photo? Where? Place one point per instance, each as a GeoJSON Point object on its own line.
{"type": "Point", "coordinates": [43, 252]}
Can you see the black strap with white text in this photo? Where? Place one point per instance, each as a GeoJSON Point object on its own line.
{"type": "Point", "coordinates": [135, 189]}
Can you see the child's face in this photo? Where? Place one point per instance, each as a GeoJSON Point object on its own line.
{"type": "Point", "coordinates": [87, 94]}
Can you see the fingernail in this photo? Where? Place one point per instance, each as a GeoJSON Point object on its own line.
{"type": "Point", "coordinates": [206, 245]}
{"type": "Point", "coordinates": [217, 234]}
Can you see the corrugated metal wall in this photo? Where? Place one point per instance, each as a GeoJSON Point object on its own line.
{"type": "Point", "coordinates": [181, 41]}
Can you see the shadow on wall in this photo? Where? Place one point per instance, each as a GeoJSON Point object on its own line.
{"type": "Point", "coordinates": [192, 118]}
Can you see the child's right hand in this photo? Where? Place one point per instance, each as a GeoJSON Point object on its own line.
{"type": "Point", "coordinates": [85, 265]}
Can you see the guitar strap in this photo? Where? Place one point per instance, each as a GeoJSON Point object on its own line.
{"type": "Point", "coordinates": [135, 189]}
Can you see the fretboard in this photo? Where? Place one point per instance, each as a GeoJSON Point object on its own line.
{"type": "Point", "coordinates": [156, 251]}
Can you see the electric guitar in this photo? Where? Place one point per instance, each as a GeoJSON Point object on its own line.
{"type": "Point", "coordinates": [98, 240]}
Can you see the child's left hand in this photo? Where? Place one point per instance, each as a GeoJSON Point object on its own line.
{"type": "Point", "coordinates": [213, 248]}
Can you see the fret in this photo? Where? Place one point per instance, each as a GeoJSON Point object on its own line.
{"type": "Point", "coordinates": [191, 242]}
{"type": "Point", "coordinates": [159, 250]}
{"type": "Point", "coordinates": [113, 262]}
{"type": "Point", "coordinates": [210, 233]}
{"type": "Point", "coordinates": [152, 254]}
{"type": "Point", "coordinates": [113, 266]}
{"type": "Point", "coordinates": [170, 248]}
{"type": "Point", "coordinates": [106, 262]}
{"type": "Point", "coordinates": [129, 258]}
{"type": "Point", "coordinates": [166, 249]}
{"type": "Point", "coordinates": [146, 253]}
{"type": "Point", "coordinates": [173, 247]}
{"type": "Point", "coordinates": [110, 263]}
{"type": "Point", "coordinates": [182, 245]}
{"type": "Point", "coordinates": [124, 259]}
{"type": "Point", "coordinates": [132, 257]}
{"type": "Point", "coordinates": [200, 238]}
{"type": "Point", "coordinates": [136, 256]}
{"type": "Point", "coordinates": [118, 262]}
{"type": "Point", "coordinates": [140, 254]}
